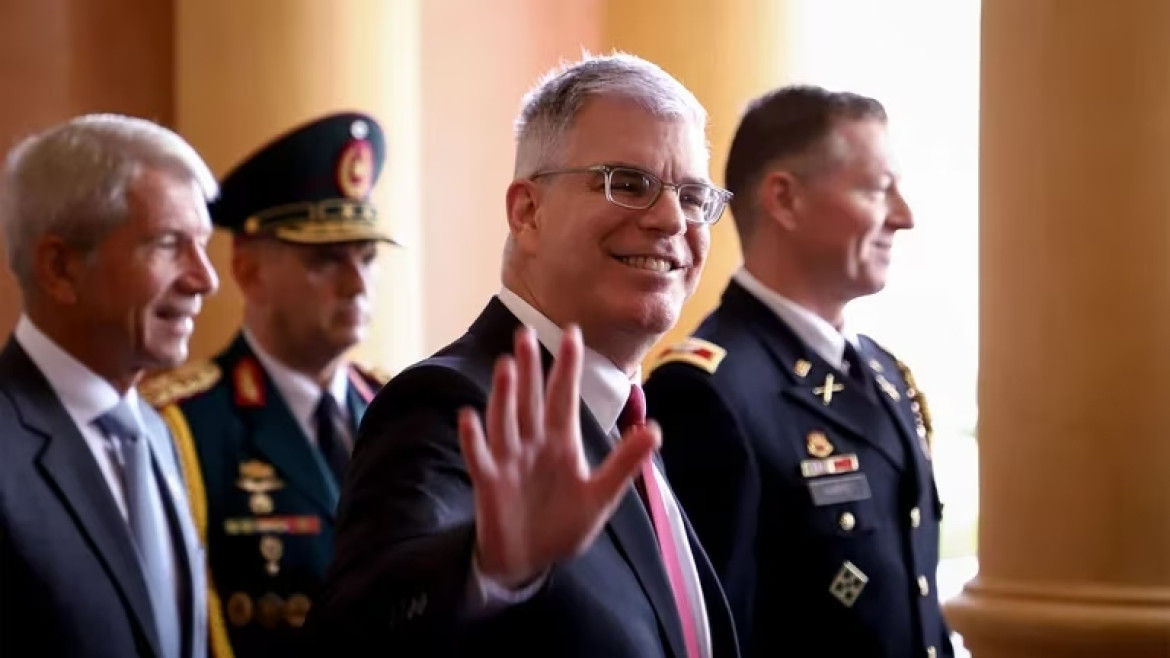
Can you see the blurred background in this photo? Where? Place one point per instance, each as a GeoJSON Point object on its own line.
{"type": "Point", "coordinates": [445, 78]}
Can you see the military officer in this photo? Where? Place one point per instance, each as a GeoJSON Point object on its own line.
{"type": "Point", "coordinates": [266, 427]}
{"type": "Point", "coordinates": [799, 448]}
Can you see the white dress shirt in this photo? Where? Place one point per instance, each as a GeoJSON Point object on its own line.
{"type": "Point", "coordinates": [302, 394]}
{"type": "Point", "coordinates": [604, 391]}
{"type": "Point", "coordinates": [820, 336]}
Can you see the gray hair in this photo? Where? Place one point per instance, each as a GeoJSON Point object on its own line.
{"type": "Point", "coordinates": [552, 105]}
{"type": "Point", "coordinates": [71, 181]}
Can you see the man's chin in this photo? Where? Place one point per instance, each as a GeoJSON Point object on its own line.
{"type": "Point", "coordinates": [162, 357]}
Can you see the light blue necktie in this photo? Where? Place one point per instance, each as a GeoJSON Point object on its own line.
{"type": "Point", "coordinates": [148, 521]}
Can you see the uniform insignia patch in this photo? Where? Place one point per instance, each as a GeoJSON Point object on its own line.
{"type": "Point", "coordinates": [249, 384]}
{"type": "Point", "coordinates": [695, 351]}
{"type": "Point", "coordinates": [802, 368]}
{"type": "Point", "coordinates": [178, 384]}
{"type": "Point", "coordinates": [258, 479]}
{"type": "Point", "coordinates": [847, 585]}
{"type": "Point", "coordinates": [818, 444]}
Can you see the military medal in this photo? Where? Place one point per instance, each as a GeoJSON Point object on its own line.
{"type": "Point", "coordinates": [239, 609]}
{"type": "Point", "coordinates": [269, 610]}
{"type": "Point", "coordinates": [272, 549]}
{"type": "Point", "coordinates": [296, 610]}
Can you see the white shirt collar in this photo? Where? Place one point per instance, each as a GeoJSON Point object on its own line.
{"type": "Point", "coordinates": [84, 394]}
{"type": "Point", "coordinates": [299, 391]}
{"type": "Point", "coordinates": [820, 336]}
{"type": "Point", "coordinates": [604, 387]}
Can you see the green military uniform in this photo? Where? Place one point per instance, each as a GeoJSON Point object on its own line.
{"type": "Point", "coordinates": [263, 495]}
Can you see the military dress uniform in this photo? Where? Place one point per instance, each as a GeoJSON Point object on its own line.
{"type": "Point", "coordinates": [809, 483]}
{"type": "Point", "coordinates": [263, 493]}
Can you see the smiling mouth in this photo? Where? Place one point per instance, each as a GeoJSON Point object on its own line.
{"type": "Point", "coordinates": [649, 263]}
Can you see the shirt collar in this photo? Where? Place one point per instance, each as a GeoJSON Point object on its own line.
{"type": "Point", "coordinates": [84, 394]}
{"type": "Point", "coordinates": [820, 336]}
{"type": "Point", "coordinates": [604, 387]}
{"type": "Point", "coordinates": [300, 392]}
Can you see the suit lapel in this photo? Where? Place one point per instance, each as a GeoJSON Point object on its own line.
{"type": "Point", "coordinates": [632, 532]}
{"type": "Point", "coordinates": [814, 384]}
{"type": "Point", "coordinates": [630, 527]}
{"type": "Point", "coordinates": [275, 432]}
{"type": "Point", "coordinates": [68, 464]}
{"type": "Point", "coordinates": [186, 542]}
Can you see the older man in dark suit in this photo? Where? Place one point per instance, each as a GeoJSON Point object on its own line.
{"type": "Point", "coordinates": [105, 222]}
{"type": "Point", "coordinates": [524, 536]}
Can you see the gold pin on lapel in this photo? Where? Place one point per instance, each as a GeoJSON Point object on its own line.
{"type": "Point", "coordinates": [801, 368]}
{"type": "Point", "coordinates": [818, 444]}
{"type": "Point", "coordinates": [889, 388]}
{"type": "Point", "coordinates": [828, 389]}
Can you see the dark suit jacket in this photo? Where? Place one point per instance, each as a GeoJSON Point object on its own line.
{"type": "Point", "coordinates": [70, 584]}
{"type": "Point", "coordinates": [734, 441]}
{"type": "Point", "coordinates": [405, 536]}
{"type": "Point", "coordinates": [258, 486]}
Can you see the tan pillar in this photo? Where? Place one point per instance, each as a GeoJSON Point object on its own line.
{"type": "Point", "coordinates": [726, 53]}
{"type": "Point", "coordinates": [1074, 391]}
{"type": "Point", "coordinates": [60, 58]}
{"type": "Point", "coordinates": [247, 71]}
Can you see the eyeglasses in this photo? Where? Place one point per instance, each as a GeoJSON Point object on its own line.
{"type": "Point", "coordinates": [635, 189]}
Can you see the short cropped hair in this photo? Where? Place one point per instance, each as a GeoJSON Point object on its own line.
{"type": "Point", "coordinates": [71, 180]}
{"type": "Point", "coordinates": [794, 120]}
{"type": "Point", "coordinates": [553, 104]}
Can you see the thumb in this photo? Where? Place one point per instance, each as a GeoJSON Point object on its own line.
{"type": "Point", "coordinates": [613, 475]}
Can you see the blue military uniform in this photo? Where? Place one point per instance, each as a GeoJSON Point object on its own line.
{"type": "Point", "coordinates": [263, 495]}
{"type": "Point", "coordinates": [811, 490]}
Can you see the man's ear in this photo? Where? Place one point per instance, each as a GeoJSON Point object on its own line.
{"type": "Point", "coordinates": [523, 203]}
{"type": "Point", "coordinates": [57, 267]}
{"type": "Point", "coordinates": [779, 198]}
{"type": "Point", "coordinates": [245, 264]}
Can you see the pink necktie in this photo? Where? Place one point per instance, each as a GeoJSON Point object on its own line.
{"type": "Point", "coordinates": [632, 415]}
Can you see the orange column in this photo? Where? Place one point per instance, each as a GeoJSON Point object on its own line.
{"type": "Point", "coordinates": [247, 71]}
{"type": "Point", "coordinates": [1074, 391]}
{"type": "Point", "coordinates": [726, 53]}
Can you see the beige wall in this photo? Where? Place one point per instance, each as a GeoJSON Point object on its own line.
{"type": "Point", "coordinates": [64, 57]}
{"type": "Point", "coordinates": [470, 96]}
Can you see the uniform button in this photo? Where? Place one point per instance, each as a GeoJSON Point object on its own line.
{"type": "Point", "coordinates": [931, 652]}
{"type": "Point", "coordinates": [847, 521]}
{"type": "Point", "coordinates": [915, 517]}
{"type": "Point", "coordinates": [923, 586]}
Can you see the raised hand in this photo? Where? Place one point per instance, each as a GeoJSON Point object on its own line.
{"type": "Point", "coordinates": [537, 500]}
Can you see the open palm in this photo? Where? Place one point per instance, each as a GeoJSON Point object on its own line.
{"type": "Point", "coordinates": [537, 500]}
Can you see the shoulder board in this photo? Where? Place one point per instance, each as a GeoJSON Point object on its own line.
{"type": "Point", "coordinates": [700, 353]}
{"type": "Point", "coordinates": [179, 383]}
{"type": "Point", "coordinates": [376, 374]}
